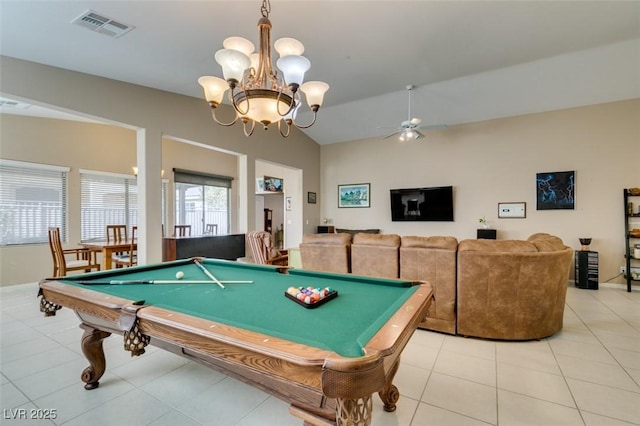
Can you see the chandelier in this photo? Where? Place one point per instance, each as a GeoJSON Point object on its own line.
{"type": "Point", "coordinates": [258, 92]}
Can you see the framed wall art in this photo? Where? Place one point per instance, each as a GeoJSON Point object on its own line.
{"type": "Point", "coordinates": [311, 197]}
{"type": "Point", "coordinates": [555, 190]}
{"type": "Point", "coordinates": [354, 195]}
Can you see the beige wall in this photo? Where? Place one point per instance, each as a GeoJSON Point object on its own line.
{"type": "Point", "coordinates": [159, 114]}
{"type": "Point", "coordinates": [97, 147]}
{"type": "Point", "coordinates": [497, 161]}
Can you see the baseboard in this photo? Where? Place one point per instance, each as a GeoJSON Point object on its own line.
{"type": "Point", "coordinates": [572, 283]}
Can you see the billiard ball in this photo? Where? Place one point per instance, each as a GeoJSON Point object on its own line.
{"type": "Point", "coordinates": [179, 275]}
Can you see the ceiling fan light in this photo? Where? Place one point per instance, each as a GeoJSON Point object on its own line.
{"type": "Point", "coordinates": [233, 63]}
{"type": "Point", "coordinates": [288, 46]}
{"type": "Point", "coordinates": [214, 88]}
{"type": "Point", "coordinates": [240, 44]}
{"type": "Point", "coordinates": [314, 90]}
{"type": "Point", "coordinates": [293, 68]}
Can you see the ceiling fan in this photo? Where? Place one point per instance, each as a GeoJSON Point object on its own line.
{"type": "Point", "coordinates": [410, 129]}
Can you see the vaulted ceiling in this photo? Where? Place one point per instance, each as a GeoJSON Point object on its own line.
{"type": "Point", "coordinates": [470, 60]}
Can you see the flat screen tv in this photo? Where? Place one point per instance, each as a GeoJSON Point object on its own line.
{"type": "Point", "coordinates": [422, 204]}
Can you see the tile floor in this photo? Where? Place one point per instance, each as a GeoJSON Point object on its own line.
{"type": "Point", "coordinates": [588, 374]}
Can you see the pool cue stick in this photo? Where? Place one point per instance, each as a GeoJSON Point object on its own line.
{"type": "Point", "coordinates": [207, 273]}
{"type": "Point", "coordinates": [133, 282]}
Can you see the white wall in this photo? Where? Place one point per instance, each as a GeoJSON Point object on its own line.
{"type": "Point", "coordinates": [497, 161]}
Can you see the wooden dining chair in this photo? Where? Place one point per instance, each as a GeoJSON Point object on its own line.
{"type": "Point", "coordinates": [212, 229]}
{"type": "Point", "coordinates": [83, 259]}
{"type": "Point", "coordinates": [130, 257]}
{"type": "Point", "coordinates": [117, 234]}
{"type": "Point", "coordinates": [182, 230]}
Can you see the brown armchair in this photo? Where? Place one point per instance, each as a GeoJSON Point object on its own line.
{"type": "Point", "coordinates": [326, 252]}
{"type": "Point", "coordinates": [83, 259]}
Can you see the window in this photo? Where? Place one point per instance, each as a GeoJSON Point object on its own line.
{"type": "Point", "coordinates": [106, 199]}
{"type": "Point", "coordinates": [202, 199]}
{"type": "Point", "coordinates": [33, 197]}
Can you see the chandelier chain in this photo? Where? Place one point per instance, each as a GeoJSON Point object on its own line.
{"type": "Point", "coordinates": [266, 8]}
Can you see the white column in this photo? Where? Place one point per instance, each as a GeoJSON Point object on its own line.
{"type": "Point", "coordinates": [149, 161]}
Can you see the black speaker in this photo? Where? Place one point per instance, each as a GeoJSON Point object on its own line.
{"type": "Point", "coordinates": [487, 234]}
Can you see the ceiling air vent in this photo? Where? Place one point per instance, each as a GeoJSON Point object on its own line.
{"type": "Point", "coordinates": [10, 103]}
{"type": "Point", "coordinates": [102, 24]}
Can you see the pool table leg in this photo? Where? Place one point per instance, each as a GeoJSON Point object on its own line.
{"type": "Point", "coordinates": [390, 394]}
{"type": "Point", "coordinates": [354, 411]}
{"type": "Point", "coordinates": [92, 350]}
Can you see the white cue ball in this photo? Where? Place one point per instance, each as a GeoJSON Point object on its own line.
{"type": "Point", "coordinates": [179, 275]}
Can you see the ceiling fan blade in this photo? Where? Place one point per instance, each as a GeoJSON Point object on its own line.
{"type": "Point", "coordinates": [392, 134]}
{"type": "Point", "coordinates": [434, 127]}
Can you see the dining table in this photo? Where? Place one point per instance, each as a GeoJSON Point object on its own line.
{"type": "Point", "coordinates": [108, 249]}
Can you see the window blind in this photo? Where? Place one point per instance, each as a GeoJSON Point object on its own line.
{"type": "Point", "coordinates": [33, 197]}
{"type": "Point", "coordinates": [106, 199]}
{"type": "Point", "coordinates": [199, 178]}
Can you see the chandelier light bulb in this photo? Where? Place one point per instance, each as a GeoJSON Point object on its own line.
{"type": "Point", "coordinates": [214, 88]}
{"type": "Point", "coordinates": [293, 68]}
{"type": "Point", "coordinates": [314, 90]}
{"type": "Point", "coordinates": [233, 63]}
{"type": "Point", "coordinates": [240, 44]}
{"type": "Point", "coordinates": [288, 46]}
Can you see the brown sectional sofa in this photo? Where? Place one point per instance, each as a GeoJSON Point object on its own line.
{"type": "Point", "coordinates": [375, 255]}
{"type": "Point", "coordinates": [326, 252]}
{"type": "Point", "coordinates": [497, 289]}
{"type": "Point", "coordinates": [433, 259]}
{"type": "Point", "coordinates": [512, 290]}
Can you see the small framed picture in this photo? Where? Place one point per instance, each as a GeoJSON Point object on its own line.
{"type": "Point", "coordinates": [273, 184]}
{"type": "Point", "coordinates": [259, 184]}
{"type": "Point", "coordinates": [512, 210]}
{"type": "Point", "coordinates": [354, 195]}
{"type": "Point", "coordinates": [288, 203]}
{"type": "Point", "coordinates": [311, 197]}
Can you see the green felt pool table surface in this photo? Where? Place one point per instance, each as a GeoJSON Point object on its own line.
{"type": "Point", "coordinates": [342, 325]}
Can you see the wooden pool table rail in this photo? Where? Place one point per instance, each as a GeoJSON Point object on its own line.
{"type": "Point", "coordinates": [321, 386]}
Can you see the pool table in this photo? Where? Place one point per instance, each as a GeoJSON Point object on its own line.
{"type": "Point", "coordinates": [326, 361]}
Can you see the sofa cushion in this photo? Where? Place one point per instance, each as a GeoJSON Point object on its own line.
{"type": "Point", "coordinates": [444, 243]}
{"type": "Point", "coordinates": [546, 242]}
{"type": "Point", "coordinates": [384, 240]}
{"type": "Point", "coordinates": [326, 239]}
{"type": "Point", "coordinates": [502, 246]}
{"type": "Point", "coordinates": [326, 252]}
{"type": "Point", "coordinates": [375, 255]}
